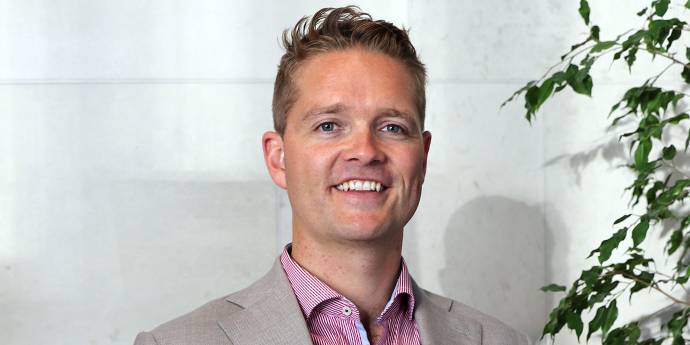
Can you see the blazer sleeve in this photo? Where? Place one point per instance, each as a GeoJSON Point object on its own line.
{"type": "Point", "coordinates": [145, 338]}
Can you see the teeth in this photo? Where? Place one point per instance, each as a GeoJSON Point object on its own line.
{"type": "Point", "coordinates": [360, 186]}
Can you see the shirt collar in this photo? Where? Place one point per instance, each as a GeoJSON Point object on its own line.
{"type": "Point", "coordinates": [311, 291]}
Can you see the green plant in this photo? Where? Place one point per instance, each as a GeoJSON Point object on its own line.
{"type": "Point", "coordinates": [644, 118]}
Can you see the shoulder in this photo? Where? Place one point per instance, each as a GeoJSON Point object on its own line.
{"type": "Point", "coordinates": [199, 326]}
{"type": "Point", "coordinates": [203, 325]}
{"type": "Point", "coordinates": [493, 331]}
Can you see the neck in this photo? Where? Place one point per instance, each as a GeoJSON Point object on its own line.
{"type": "Point", "coordinates": [363, 272]}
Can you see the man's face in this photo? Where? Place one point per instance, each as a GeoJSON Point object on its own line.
{"type": "Point", "coordinates": [353, 125]}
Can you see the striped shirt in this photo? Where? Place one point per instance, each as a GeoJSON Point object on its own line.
{"type": "Point", "coordinates": [332, 319]}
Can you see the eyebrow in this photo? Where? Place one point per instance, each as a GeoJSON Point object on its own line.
{"type": "Point", "coordinates": [392, 112]}
{"type": "Point", "coordinates": [339, 108]}
{"type": "Point", "coordinates": [329, 109]}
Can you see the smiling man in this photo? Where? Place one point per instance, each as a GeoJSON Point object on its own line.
{"type": "Point", "coordinates": [349, 147]}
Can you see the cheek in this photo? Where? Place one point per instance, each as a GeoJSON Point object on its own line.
{"type": "Point", "coordinates": [309, 166]}
{"type": "Point", "coordinates": [411, 164]}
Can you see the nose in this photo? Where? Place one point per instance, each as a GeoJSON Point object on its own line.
{"type": "Point", "coordinates": [364, 147]}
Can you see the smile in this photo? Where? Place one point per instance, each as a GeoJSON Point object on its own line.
{"type": "Point", "coordinates": [360, 185]}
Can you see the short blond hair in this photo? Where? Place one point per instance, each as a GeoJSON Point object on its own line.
{"type": "Point", "coordinates": [332, 29]}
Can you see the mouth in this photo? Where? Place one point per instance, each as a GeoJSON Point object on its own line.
{"type": "Point", "coordinates": [361, 186]}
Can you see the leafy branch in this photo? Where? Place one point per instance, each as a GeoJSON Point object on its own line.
{"type": "Point", "coordinates": [645, 117]}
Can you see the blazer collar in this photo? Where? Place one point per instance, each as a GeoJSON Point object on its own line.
{"type": "Point", "coordinates": [270, 313]}
{"type": "Point", "coordinates": [438, 325]}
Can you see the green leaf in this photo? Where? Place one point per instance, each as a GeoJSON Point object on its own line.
{"type": "Point", "coordinates": [591, 276]}
{"type": "Point", "coordinates": [678, 118]}
{"type": "Point", "coordinates": [686, 73]}
{"type": "Point", "coordinates": [687, 4]}
{"type": "Point", "coordinates": [633, 41]}
{"type": "Point", "coordinates": [634, 333]}
{"type": "Point", "coordinates": [553, 326]}
{"type": "Point", "coordinates": [537, 95]}
{"type": "Point", "coordinates": [610, 317]}
{"type": "Point", "coordinates": [674, 242]}
{"type": "Point", "coordinates": [516, 93]}
{"type": "Point", "coordinates": [637, 260]}
{"type": "Point", "coordinates": [642, 153]}
{"type": "Point", "coordinates": [556, 318]}
{"type": "Point", "coordinates": [631, 57]}
{"type": "Point", "coordinates": [684, 278]}
{"type": "Point", "coordinates": [601, 46]}
{"type": "Point", "coordinates": [642, 12]}
{"type": "Point", "coordinates": [614, 108]}
{"type": "Point", "coordinates": [594, 32]}
{"type": "Point", "coordinates": [574, 322]}
{"type": "Point", "coordinates": [621, 219]}
{"type": "Point", "coordinates": [552, 288]}
{"type": "Point", "coordinates": [676, 324]}
{"type": "Point", "coordinates": [687, 141]}
{"type": "Point", "coordinates": [687, 50]}
{"type": "Point", "coordinates": [640, 231]}
{"type": "Point", "coordinates": [668, 152]}
{"type": "Point", "coordinates": [584, 11]}
{"type": "Point", "coordinates": [545, 91]}
{"type": "Point", "coordinates": [678, 186]}
{"type": "Point", "coordinates": [607, 246]}
{"type": "Point", "coordinates": [597, 321]}
{"type": "Point", "coordinates": [644, 281]}
{"type": "Point", "coordinates": [675, 35]}
{"type": "Point", "coordinates": [661, 7]}
{"type": "Point", "coordinates": [581, 83]}
{"type": "Point", "coordinates": [603, 290]}
{"type": "Point", "coordinates": [659, 30]}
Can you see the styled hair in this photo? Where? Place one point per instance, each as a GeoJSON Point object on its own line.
{"type": "Point", "coordinates": [334, 29]}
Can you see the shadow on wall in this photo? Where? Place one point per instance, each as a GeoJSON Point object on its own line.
{"type": "Point", "coordinates": [611, 151]}
{"type": "Point", "coordinates": [495, 261]}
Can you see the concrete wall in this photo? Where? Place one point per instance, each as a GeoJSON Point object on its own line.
{"type": "Point", "coordinates": [132, 187]}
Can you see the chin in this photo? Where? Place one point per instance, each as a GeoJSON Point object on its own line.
{"type": "Point", "coordinates": [365, 231]}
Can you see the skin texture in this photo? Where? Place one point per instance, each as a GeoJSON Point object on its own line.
{"type": "Point", "coordinates": [353, 118]}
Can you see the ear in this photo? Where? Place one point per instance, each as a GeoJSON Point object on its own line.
{"type": "Point", "coordinates": [274, 156]}
{"type": "Point", "coordinates": [426, 137]}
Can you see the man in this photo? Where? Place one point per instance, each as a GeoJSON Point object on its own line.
{"type": "Point", "coordinates": [351, 151]}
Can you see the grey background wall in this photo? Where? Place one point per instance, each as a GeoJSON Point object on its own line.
{"type": "Point", "coordinates": [132, 187]}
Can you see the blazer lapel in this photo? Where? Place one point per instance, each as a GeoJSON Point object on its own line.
{"type": "Point", "coordinates": [437, 325]}
{"type": "Point", "coordinates": [271, 314]}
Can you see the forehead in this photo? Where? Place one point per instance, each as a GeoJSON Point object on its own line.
{"type": "Point", "coordinates": [356, 78]}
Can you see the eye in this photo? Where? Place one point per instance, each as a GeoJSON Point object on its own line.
{"type": "Point", "coordinates": [327, 126]}
{"type": "Point", "coordinates": [393, 128]}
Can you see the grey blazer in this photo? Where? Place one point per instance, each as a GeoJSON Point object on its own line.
{"type": "Point", "coordinates": [267, 313]}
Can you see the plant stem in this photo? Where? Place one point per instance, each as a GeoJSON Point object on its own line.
{"type": "Point", "coordinates": [668, 56]}
{"type": "Point", "coordinates": [669, 296]}
{"type": "Point", "coordinates": [656, 77]}
{"type": "Point", "coordinates": [571, 54]}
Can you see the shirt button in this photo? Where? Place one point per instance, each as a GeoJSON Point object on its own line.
{"type": "Point", "coordinates": [347, 311]}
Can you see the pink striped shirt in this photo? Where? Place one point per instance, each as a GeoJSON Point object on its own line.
{"type": "Point", "coordinates": [332, 319]}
